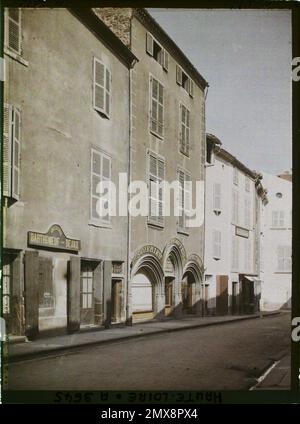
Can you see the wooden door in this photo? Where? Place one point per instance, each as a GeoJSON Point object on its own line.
{"type": "Point", "coordinates": [222, 295]}
{"type": "Point", "coordinates": [116, 293]}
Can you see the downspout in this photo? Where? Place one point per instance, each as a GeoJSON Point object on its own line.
{"type": "Point", "coordinates": [204, 220]}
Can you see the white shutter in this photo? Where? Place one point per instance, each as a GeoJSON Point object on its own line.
{"type": "Point", "coordinates": [107, 91]}
{"type": "Point", "coordinates": [216, 244]}
{"type": "Point", "coordinates": [161, 178]}
{"type": "Point", "coordinates": [217, 197]}
{"type": "Point", "coordinates": [16, 154]}
{"type": "Point", "coordinates": [166, 60]}
{"type": "Point", "coordinates": [95, 179]}
{"type": "Point", "coordinates": [160, 124]}
{"type": "Point", "coordinates": [187, 197]}
{"type": "Point", "coordinates": [7, 149]}
{"type": "Point", "coordinates": [99, 86]}
{"type": "Point", "coordinates": [274, 219]}
{"type": "Point", "coordinates": [178, 75]}
{"type": "Point", "coordinates": [14, 30]}
{"type": "Point", "coordinates": [280, 258]}
{"type": "Point", "coordinates": [187, 132]}
{"type": "Point", "coordinates": [281, 219]}
{"type": "Point", "coordinates": [149, 43]}
{"type": "Point", "coordinates": [181, 217]}
{"type": "Point", "coordinates": [191, 88]}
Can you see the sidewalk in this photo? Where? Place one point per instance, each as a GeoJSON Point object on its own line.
{"type": "Point", "coordinates": [59, 344]}
{"type": "Point", "coordinates": [278, 377]}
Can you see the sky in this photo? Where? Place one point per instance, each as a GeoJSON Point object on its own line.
{"type": "Point", "coordinates": [245, 55]}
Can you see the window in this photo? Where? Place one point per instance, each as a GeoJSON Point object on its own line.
{"type": "Point", "coordinates": [247, 183]}
{"type": "Point", "coordinates": [102, 88]}
{"type": "Point", "coordinates": [184, 180]}
{"type": "Point", "coordinates": [278, 219]}
{"type": "Point", "coordinates": [235, 176]}
{"type": "Point", "coordinates": [235, 253]}
{"type": "Point", "coordinates": [11, 152]}
{"type": "Point", "coordinates": [6, 288]}
{"type": "Point", "coordinates": [100, 171]}
{"type": "Point", "coordinates": [284, 259]}
{"type": "Point", "coordinates": [247, 212]}
{"type": "Point", "coordinates": [217, 197]}
{"type": "Point", "coordinates": [46, 293]}
{"type": "Point", "coordinates": [87, 285]}
{"type": "Point", "coordinates": [14, 34]}
{"type": "Point", "coordinates": [184, 80]}
{"type": "Point", "coordinates": [216, 244]}
{"type": "Point", "coordinates": [156, 195]}
{"type": "Point", "coordinates": [156, 107]}
{"type": "Point", "coordinates": [185, 130]}
{"type": "Point", "coordinates": [235, 207]}
{"type": "Point", "coordinates": [154, 49]}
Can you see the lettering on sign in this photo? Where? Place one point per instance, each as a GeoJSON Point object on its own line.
{"type": "Point", "coordinates": [53, 239]}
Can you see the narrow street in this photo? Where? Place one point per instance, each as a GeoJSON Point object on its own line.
{"type": "Point", "coordinates": [229, 356]}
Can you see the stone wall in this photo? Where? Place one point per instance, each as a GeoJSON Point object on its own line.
{"type": "Point", "coordinates": [118, 20]}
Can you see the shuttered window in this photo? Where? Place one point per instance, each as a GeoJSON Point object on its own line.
{"type": "Point", "coordinates": [278, 219]}
{"type": "Point", "coordinates": [184, 130]}
{"type": "Point", "coordinates": [217, 197]}
{"type": "Point", "coordinates": [11, 151]}
{"type": "Point", "coordinates": [235, 176]}
{"type": "Point", "coordinates": [100, 171]}
{"type": "Point", "coordinates": [247, 183]}
{"type": "Point", "coordinates": [185, 197]}
{"type": "Point", "coordinates": [247, 211]}
{"type": "Point", "coordinates": [235, 207]}
{"type": "Point", "coordinates": [46, 292]}
{"type": "Point", "coordinates": [14, 34]}
{"type": "Point", "coordinates": [284, 259]}
{"type": "Point", "coordinates": [216, 244]}
{"type": "Point", "coordinates": [102, 88]}
{"type": "Point", "coordinates": [185, 81]}
{"type": "Point", "coordinates": [154, 49]}
{"type": "Point", "coordinates": [156, 107]}
{"type": "Point", "coordinates": [156, 168]}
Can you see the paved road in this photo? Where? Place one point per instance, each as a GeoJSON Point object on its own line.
{"type": "Point", "coordinates": [226, 356]}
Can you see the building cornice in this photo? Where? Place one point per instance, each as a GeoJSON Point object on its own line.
{"type": "Point", "coordinates": [150, 23]}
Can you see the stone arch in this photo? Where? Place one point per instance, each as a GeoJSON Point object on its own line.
{"type": "Point", "coordinates": [192, 278]}
{"type": "Point", "coordinates": [149, 263]}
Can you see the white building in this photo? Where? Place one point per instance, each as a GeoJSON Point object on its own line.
{"type": "Point", "coordinates": [277, 243]}
{"type": "Point", "coordinates": [232, 228]}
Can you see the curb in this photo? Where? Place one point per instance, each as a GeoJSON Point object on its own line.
{"type": "Point", "coordinates": [58, 351]}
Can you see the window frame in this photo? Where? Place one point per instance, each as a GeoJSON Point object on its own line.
{"type": "Point", "coordinates": [186, 147]}
{"type": "Point", "coordinates": [187, 177]}
{"type": "Point", "coordinates": [216, 244]}
{"type": "Point", "coordinates": [158, 221]}
{"type": "Point", "coordinates": [103, 111]}
{"type": "Point", "coordinates": [154, 132]}
{"type": "Point", "coordinates": [98, 222]}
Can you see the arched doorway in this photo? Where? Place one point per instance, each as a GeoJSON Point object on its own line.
{"type": "Point", "coordinates": [191, 285]}
{"type": "Point", "coordinates": [142, 294]}
{"type": "Point", "coordinates": [174, 257]}
{"type": "Point", "coordinates": [146, 286]}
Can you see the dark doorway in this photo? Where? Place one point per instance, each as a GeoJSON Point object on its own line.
{"type": "Point", "coordinates": [248, 296]}
{"type": "Point", "coordinates": [222, 295]}
{"type": "Point", "coordinates": [168, 295]}
{"type": "Point", "coordinates": [234, 299]}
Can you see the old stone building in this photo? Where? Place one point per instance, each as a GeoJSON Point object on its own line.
{"type": "Point", "coordinates": [66, 128]}
{"type": "Point", "coordinates": [234, 197]}
{"type": "Point", "coordinates": [167, 143]}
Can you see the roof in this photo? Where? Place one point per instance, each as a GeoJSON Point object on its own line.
{"type": "Point", "coordinates": [112, 42]}
{"type": "Point", "coordinates": [144, 17]}
{"type": "Point", "coordinates": [213, 139]}
{"type": "Point", "coordinates": [224, 154]}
